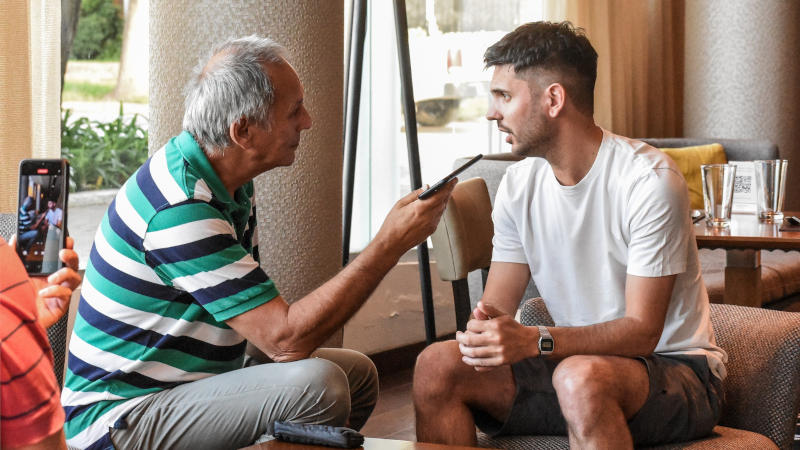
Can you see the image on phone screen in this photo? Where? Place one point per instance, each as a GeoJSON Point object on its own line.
{"type": "Point", "coordinates": [41, 214]}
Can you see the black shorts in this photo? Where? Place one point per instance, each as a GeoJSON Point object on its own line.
{"type": "Point", "coordinates": [684, 403]}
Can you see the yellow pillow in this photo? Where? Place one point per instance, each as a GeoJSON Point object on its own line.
{"type": "Point", "coordinates": [689, 160]}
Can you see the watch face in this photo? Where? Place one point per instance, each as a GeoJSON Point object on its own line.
{"type": "Point", "coordinates": [546, 345]}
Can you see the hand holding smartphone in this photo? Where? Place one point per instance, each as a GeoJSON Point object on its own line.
{"type": "Point", "coordinates": [438, 185]}
{"type": "Point", "coordinates": [42, 214]}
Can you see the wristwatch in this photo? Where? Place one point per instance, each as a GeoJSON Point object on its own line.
{"type": "Point", "coordinates": [546, 344]}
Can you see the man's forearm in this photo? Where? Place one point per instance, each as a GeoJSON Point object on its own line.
{"type": "Point", "coordinates": [625, 336]}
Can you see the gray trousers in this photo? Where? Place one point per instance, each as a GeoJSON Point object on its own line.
{"type": "Point", "coordinates": [334, 387]}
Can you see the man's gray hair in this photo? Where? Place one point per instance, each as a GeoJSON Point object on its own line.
{"type": "Point", "coordinates": [233, 86]}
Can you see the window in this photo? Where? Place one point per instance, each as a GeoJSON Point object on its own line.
{"type": "Point", "coordinates": [447, 39]}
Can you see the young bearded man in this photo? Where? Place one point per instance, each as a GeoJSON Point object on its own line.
{"type": "Point", "coordinates": [602, 225]}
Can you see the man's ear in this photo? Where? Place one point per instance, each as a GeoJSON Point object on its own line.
{"type": "Point", "coordinates": [239, 132]}
{"type": "Point", "coordinates": [556, 98]}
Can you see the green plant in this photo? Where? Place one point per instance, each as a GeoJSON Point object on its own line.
{"type": "Point", "coordinates": [102, 154]}
{"type": "Point", "coordinates": [99, 33]}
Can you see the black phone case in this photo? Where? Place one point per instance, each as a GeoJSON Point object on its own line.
{"type": "Point", "coordinates": [65, 187]}
{"type": "Point", "coordinates": [304, 433]}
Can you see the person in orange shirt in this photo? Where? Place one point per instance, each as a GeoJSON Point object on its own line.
{"type": "Point", "coordinates": [31, 416]}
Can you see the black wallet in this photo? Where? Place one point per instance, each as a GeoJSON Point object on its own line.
{"type": "Point", "coordinates": [305, 433]}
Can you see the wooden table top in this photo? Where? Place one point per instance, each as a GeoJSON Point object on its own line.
{"type": "Point", "coordinates": [369, 444]}
{"type": "Point", "coordinates": [746, 231]}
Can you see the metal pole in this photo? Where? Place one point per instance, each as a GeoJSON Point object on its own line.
{"type": "Point", "coordinates": [409, 109]}
{"type": "Point", "coordinates": [353, 101]}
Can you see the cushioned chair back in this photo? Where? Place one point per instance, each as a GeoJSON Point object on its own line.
{"type": "Point", "coordinates": [491, 168]}
{"type": "Point", "coordinates": [735, 149]}
{"type": "Point", "coordinates": [762, 390]}
{"type": "Point", "coordinates": [463, 240]}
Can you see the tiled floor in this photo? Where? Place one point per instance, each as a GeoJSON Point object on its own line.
{"type": "Point", "coordinates": [393, 417]}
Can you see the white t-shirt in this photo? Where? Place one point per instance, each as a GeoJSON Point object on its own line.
{"type": "Point", "coordinates": [54, 216]}
{"type": "Point", "coordinates": [628, 215]}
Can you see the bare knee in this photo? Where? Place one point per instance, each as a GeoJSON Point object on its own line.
{"type": "Point", "coordinates": [437, 370]}
{"type": "Point", "coordinates": [582, 385]}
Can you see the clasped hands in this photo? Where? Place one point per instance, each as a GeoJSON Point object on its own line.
{"type": "Point", "coordinates": [493, 338]}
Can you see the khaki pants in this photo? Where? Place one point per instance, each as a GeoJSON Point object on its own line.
{"type": "Point", "coordinates": [334, 387]}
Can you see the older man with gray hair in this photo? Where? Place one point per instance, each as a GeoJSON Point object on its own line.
{"type": "Point", "coordinates": [173, 289]}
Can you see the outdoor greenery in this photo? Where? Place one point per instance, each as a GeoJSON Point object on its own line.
{"type": "Point", "coordinates": [85, 91]}
{"type": "Point", "coordinates": [102, 155]}
{"type": "Point", "coordinates": [99, 34]}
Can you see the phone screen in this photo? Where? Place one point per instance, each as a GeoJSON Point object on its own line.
{"type": "Point", "coordinates": [42, 214]}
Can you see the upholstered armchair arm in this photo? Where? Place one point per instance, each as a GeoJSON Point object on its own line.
{"type": "Point", "coordinates": [762, 390]}
{"type": "Point", "coordinates": [533, 312]}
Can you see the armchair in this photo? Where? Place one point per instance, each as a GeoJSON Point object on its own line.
{"type": "Point", "coordinates": [762, 390]}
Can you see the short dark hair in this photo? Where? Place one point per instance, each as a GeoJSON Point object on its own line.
{"type": "Point", "coordinates": [559, 48]}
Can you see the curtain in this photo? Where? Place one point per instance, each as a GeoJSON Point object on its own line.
{"type": "Point", "coordinates": [639, 89]}
{"type": "Point", "coordinates": [30, 88]}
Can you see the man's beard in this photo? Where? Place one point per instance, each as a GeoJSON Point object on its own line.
{"type": "Point", "coordinates": [536, 140]}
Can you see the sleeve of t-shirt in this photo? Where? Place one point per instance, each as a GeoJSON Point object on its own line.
{"type": "Point", "coordinates": [506, 243]}
{"type": "Point", "coordinates": [660, 228]}
{"type": "Point", "coordinates": [203, 257]}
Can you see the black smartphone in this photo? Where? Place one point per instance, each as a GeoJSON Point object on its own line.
{"type": "Point", "coordinates": [42, 214]}
{"type": "Point", "coordinates": [438, 185]}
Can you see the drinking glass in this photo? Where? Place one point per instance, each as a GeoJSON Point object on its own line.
{"type": "Point", "coordinates": [718, 193]}
{"type": "Point", "coordinates": [770, 188]}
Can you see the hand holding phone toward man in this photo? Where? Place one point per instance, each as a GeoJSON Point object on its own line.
{"type": "Point", "coordinates": [55, 290]}
{"type": "Point", "coordinates": [438, 185]}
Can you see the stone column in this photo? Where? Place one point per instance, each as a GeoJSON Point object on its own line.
{"type": "Point", "coordinates": [742, 76]}
{"type": "Point", "coordinates": [299, 207]}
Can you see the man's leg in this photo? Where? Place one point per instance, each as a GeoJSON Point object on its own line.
{"type": "Point", "coordinates": [232, 410]}
{"type": "Point", "coordinates": [445, 390]}
{"type": "Point", "coordinates": [598, 394]}
{"type": "Point", "coordinates": [362, 377]}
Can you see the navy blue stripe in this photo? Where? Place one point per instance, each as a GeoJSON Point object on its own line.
{"type": "Point", "coordinates": [129, 282]}
{"type": "Point", "coordinates": [230, 287]}
{"type": "Point", "coordinates": [72, 412]}
{"type": "Point", "coordinates": [84, 369]}
{"type": "Point", "coordinates": [191, 250]}
{"type": "Point", "coordinates": [185, 298]}
{"type": "Point", "coordinates": [121, 228]}
{"type": "Point", "coordinates": [94, 373]}
{"type": "Point", "coordinates": [153, 339]}
{"type": "Point", "coordinates": [148, 186]}
{"type": "Point", "coordinates": [104, 443]}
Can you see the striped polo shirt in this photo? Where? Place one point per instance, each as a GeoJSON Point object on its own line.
{"type": "Point", "coordinates": [174, 257]}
